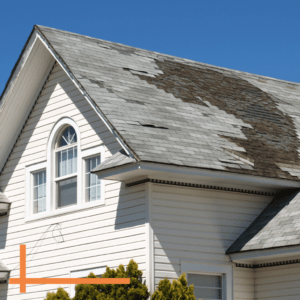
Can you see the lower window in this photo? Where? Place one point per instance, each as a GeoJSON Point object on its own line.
{"type": "Point", "coordinates": [67, 192]}
{"type": "Point", "coordinates": [206, 286]}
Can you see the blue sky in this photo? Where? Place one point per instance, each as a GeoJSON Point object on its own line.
{"type": "Point", "coordinates": [261, 37]}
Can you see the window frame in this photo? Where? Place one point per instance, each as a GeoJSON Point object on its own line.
{"type": "Point", "coordinates": [50, 167]}
{"type": "Point", "coordinates": [86, 154]}
{"type": "Point", "coordinates": [57, 179]}
{"type": "Point", "coordinates": [29, 172]}
{"type": "Point", "coordinates": [57, 130]}
{"type": "Point", "coordinates": [224, 270]}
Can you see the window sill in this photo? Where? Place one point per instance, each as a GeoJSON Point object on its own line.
{"type": "Point", "coordinates": [64, 211]}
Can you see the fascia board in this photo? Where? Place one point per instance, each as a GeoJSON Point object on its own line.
{"type": "Point", "coordinates": [25, 83]}
{"type": "Point", "coordinates": [220, 174]}
{"type": "Point", "coordinates": [187, 174]}
{"type": "Point", "coordinates": [18, 67]}
{"type": "Point", "coordinates": [265, 254]}
{"type": "Point", "coordinates": [64, 66]}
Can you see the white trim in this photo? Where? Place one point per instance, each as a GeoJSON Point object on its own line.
{"type": "Point", "coordinates": [211, 269]}
{"type": "Point", "coordinates": [19, 67]}
{"type": "Point", "coordinates": [87, 97]}
{"type": "Point", "coordinates": [85, 154]}
{"type": "Point", "coordinates": [49, 165]}
{"type": "Point", "coordinates": [149, 238]}
{"type": "Point", "coordinates": [29, 170]}
{"type": "Point", "coordinates": [51, 161]}
{"type": "Point", "coordinates": [263, 254]}
{"type": "Point", "coordinates": [137, 169]}
{"type": "Point", "coordinates": [83, 274]}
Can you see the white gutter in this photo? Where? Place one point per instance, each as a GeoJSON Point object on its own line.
{"type": "Point", "coordinates": [240, 179]}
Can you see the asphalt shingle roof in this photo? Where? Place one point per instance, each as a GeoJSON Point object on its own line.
{"type": "Point", "coordinates": [277, 226]}
{"type": "Point", "coordinates": [116, 160]}
{"type": "Point", "coordinates": [176, 111]}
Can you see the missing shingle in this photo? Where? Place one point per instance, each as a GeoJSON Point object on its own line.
{"type": "Point", "coordinates": [135, 102]}
{"type": "Point", "coordinates": [135, 71]}
{"type": "Point", "coordinates": [153, 126]}
{"type": "Point", "coordinates": [103, 46]}
{"type": "Point", "coordinates": [99, 83]}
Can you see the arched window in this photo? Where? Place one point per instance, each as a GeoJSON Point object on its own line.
{"type": "Point", "coordinates": [66, 167]}
{"type": "Point", "coordinates": [64, 182]}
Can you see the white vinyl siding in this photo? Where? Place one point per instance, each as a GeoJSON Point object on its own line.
{"type": "Point", "coordinates": [198, 225]}
{"type": "Point", "coordinates": [278, 283]}
{"type": "Point", "coordinates": [108, 234]}
{"type": "Point", "coordinates": [243, 283]}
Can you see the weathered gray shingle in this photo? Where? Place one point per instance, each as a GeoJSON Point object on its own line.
{"type": "Point", "coordinates": [277, 226]}
{"type": "Point", "coordinates": [176, 111]}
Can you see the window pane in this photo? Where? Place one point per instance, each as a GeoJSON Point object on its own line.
{"type": "Point", "coordinates": [93, 183]}
{"type": "Point", "coordinates": [66, 161]}
{"type": "Point", "coordinates": [39, 192]}
{"type": "Point", "coordinates": [67, 192]}
{"type": "Point", "coordinates": [68, 137]}
{"type": "Point", "coordinates": [205, 280]}
{"type": "Point", "coordinates": [207, 293]}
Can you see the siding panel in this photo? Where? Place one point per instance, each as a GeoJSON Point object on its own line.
{"type": "Point", "coordinates": [108, 234]}
{"type": "Point", "coordinates": [199, 225]}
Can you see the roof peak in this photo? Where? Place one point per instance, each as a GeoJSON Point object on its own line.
{"type": "Point", "coordinates": [178, 59]}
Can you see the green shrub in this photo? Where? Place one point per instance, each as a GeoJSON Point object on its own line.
{"type": "Point", "coordinates": [177, 290]}
{"type": "Point", "coordinates": [61, 294]}
{"type": "Point", "coordinates": [136, 290]}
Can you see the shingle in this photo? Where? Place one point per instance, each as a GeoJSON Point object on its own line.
{"type": "Point", "coordinates": [205, 109]}
{"type": "Point", "coordinates": [276, 226]}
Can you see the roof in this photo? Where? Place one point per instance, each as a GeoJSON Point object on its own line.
{"type": "Point", "coordinates": [180, 112]}
{"type": "Point", "coordinates": [277, 226]}
{"type": "Point", "coordinates": [116, 160]}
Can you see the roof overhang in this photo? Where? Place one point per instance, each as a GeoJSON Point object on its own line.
{"type": "Point", "coordinates": [136, 171]}
{"type": "Point", "coordinates": [266, 255]}
{"type": "Point", "coordinates": [21, 92]}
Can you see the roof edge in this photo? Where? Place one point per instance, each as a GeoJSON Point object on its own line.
{"type": "Point", "coordinates": [259, 254]}
{"type": "Point", "coordinates": [65, 67]}
{"type": "Point", "coordinates": [12, 73]}
{"type": "Point", "coordinates": [186, 60]}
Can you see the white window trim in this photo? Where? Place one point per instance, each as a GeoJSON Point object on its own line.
{"type": "Point", "coordinates": [210, 269]}
{"type": "Point", "coordinates": [83, 274]}
{"type": "Point", "coordinates": [85, 154]}
{"type": "Point", "coordinates": [50, 168]}
{"type": "Point", "coordinates": [28, 178]}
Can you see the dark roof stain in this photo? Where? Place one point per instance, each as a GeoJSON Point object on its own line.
{"type": "Point", "coordinates": [216, 118]}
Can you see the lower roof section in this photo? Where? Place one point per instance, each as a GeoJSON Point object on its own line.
{"type": "Point", "coordinates": [277, 226]}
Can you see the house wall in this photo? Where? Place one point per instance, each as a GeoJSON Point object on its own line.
{"type": "Point", "coordinates": [280, 283]}
{"type": "Point", "coordinates": [94, 237]}
{"type": "Point", "coordinates": [243, 283]}
{"type": "Point", "coordinates": [199, 225]}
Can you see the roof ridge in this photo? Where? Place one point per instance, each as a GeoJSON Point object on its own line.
{"type": "Point", "coordinates": [183, 60]}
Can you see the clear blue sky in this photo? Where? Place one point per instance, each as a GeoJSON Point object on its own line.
{"type": "Point", "coordinates": [257, 36]}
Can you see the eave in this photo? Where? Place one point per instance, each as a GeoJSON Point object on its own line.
{"type": "Point", "coordinates": [139, 170]}
{"type": "Point", "coordinates": [21, 92]}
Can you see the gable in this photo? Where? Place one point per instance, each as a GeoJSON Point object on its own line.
{"type": "Point", "coordinates": [59, 98]}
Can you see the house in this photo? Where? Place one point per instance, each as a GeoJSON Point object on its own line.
{"type": "Point", "coordinates": [110, 152]}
